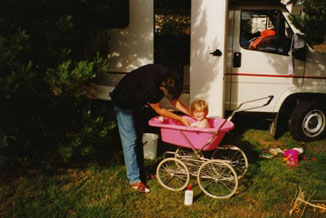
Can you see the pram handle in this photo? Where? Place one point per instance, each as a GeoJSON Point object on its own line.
{"type": "Point", "coordinates": [270, 98]}
{"type": "Point", "coordinates": [269, 101]}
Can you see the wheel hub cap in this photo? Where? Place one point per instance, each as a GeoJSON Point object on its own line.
{"type": "Point", "coordinates": [314, 123]}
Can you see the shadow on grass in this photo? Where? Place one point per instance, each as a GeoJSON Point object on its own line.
{"type": "Point", "coordinates": [109, 152]}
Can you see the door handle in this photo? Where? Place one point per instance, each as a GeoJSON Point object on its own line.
{"type": "Point", "coordinates": [237, 59]}
{"type": "Point", "coordinates": [217, 52]}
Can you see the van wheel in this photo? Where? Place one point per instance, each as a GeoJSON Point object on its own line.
{"type": "Point", "coordinates": [307, 121]}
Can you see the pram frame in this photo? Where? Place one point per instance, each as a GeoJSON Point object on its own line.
{"type": "Point", "coordinates": [227, 176]}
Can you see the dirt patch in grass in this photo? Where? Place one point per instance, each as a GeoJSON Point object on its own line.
{"type": "Point", "coordinates": [321, 47]}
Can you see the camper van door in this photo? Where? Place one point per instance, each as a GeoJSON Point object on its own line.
{"type": "Point", "coordinates": [207, 54]}
{"type": "Point", "coordinates": [264, 67]}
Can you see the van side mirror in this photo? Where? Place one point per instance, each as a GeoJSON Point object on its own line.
{"type": "Point", "coordinates": [298, 47]}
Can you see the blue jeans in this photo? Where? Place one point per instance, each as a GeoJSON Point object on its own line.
{"type": "Point", "coordinates": [131, 143]}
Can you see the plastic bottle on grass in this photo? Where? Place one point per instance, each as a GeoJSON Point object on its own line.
{"type": "Point", "coordinates": [189, 195]}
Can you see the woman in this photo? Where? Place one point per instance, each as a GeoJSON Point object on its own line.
{"type": "Point", "coordinates": [146, 85]}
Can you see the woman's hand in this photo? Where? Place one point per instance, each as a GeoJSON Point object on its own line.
{"type": "Point", "coordinates": [185, 121]}
{"type": "Point", "coordinates": [166, 113]}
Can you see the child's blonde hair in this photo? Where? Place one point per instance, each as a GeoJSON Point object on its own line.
{"type": "Point", "coordinates": [199, 105]}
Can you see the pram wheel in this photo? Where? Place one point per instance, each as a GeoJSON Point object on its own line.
{"type": "Point", "coordinates": [217, 179]}
{"type": "Point", "coordinates": [173, 174]}
{"type": "Point", "coordinates": [235, 156]}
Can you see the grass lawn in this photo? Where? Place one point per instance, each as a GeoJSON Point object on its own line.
{"type": "Point", "coordinates": [100, 189]}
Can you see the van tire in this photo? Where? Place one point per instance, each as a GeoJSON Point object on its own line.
{"type": "Point", "coordinates": [307, 121]}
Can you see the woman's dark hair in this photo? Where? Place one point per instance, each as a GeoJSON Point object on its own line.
{"type": "Point", "coordinates": [173, 84]}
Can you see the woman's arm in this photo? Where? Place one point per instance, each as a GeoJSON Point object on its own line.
{"type": "Point", "coordinates": [166, 113]}
{"type": "Point", "coordinates": [180, 106]}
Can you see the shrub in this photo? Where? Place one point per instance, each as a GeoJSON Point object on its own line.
{"type": "Point", "coordinates": [47, 69]}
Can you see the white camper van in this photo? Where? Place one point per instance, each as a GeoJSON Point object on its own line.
{"type": "Point", "coordinates": [239, 50]}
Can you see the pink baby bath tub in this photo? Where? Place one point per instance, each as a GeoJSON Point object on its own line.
{"type": "Point", "coordinates": [174, 132]}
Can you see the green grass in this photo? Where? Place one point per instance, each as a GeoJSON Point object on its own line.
{"type": "Point", "coordinates": [101, 189]}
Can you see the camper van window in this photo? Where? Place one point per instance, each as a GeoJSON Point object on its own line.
{"type": "Point", "coordinates": [266, 31]}
{"type": "Point", "coordinates": [115, 14]}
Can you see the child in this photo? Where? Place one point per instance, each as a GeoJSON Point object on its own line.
{"type": "Point", "coordinates": [199, 110]}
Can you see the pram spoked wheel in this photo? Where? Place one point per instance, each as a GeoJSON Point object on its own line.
{"type": "Point", "coordinates": [217, 179]}
{"type": "Point", "coordinates": [234, 156]}
{"type": "Point", "coordinates": [173, 174]}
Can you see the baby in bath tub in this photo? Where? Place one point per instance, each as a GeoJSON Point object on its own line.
{"type": "Point", "coordinates": [199, 110]}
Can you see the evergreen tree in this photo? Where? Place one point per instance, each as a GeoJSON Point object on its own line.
{"type": "Point", "coordinates": [313, 21]}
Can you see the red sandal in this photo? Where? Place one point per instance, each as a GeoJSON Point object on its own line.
{"type": "Point", "coordinates": [141, 187]}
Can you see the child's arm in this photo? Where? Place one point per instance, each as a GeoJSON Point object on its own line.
{"type": "Point", "coordinates": [206, 124]}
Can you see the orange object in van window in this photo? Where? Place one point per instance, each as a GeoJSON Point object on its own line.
{"type": "Point", "coordinates": [263, 34]}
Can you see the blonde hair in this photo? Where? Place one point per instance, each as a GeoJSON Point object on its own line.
{"type": "Point", "coordinates": [199, 105]}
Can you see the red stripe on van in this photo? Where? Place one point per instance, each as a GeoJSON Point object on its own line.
{"type": "Point", "coordinates": [269, 75]}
